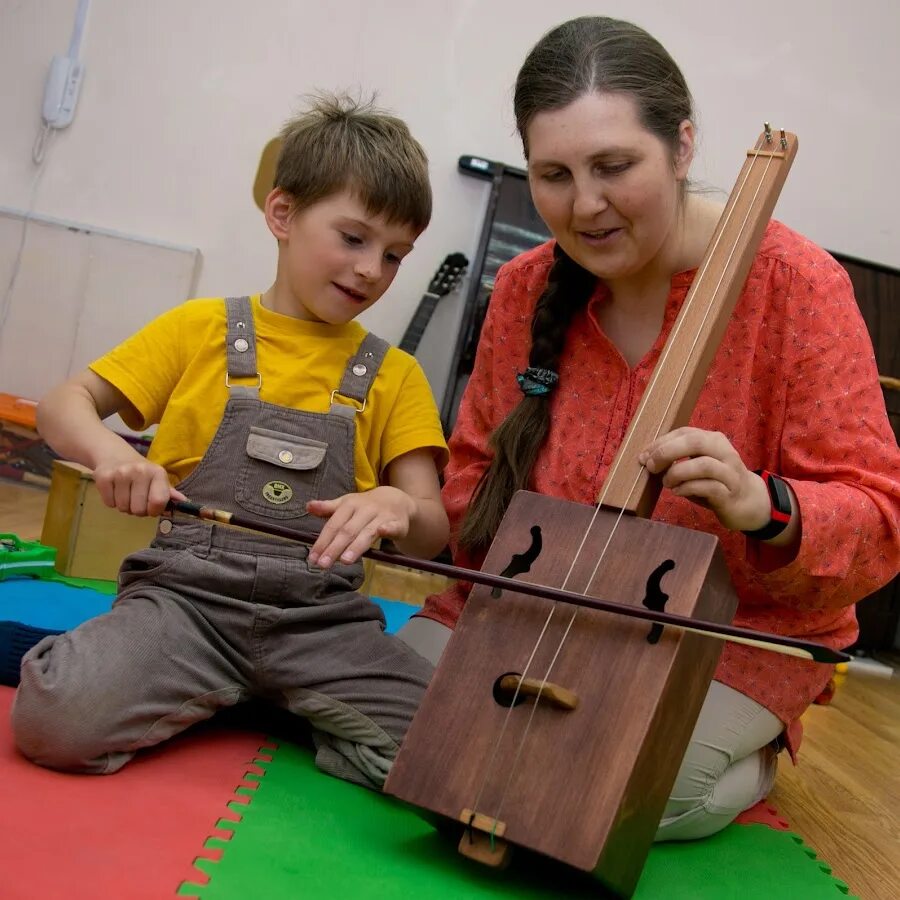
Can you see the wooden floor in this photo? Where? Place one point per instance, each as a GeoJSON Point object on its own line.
{"type": "Point", "coordinates": [22, 510]}
{"type": "Point", "coordinates": [844, 796]}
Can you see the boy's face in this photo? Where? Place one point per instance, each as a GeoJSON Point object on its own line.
{"type": "Point", "coordinates": [335, 258]}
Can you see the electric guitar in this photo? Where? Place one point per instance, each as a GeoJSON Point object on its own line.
{"type": "Point", "coordinates": [449, 274]}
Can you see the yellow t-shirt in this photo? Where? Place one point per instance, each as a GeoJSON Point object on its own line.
{"type": "Point", "coordinates": [173, 372]}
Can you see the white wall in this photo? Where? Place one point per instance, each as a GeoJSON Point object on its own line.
{"type": "Point", "coordinates": [180, 97]}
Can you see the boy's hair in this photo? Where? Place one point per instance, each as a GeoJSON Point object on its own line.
{"type": "Point", "coordinates": [339, 144]}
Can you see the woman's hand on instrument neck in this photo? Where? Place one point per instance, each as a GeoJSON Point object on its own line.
{"type": "Point", "coordinates": [704, 467]}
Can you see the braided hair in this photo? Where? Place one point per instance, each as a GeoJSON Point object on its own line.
{"type": "Point", "coordinates": [519, 437]}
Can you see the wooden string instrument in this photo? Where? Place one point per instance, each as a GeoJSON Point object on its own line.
{"type": "Point", "coordinates": [586, 781]}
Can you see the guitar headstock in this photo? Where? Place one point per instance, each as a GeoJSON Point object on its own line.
{"type": "Point", "coordinates": [449, 274]}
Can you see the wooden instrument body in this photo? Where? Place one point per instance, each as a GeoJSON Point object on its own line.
{"type": "Point", "coordinates": [592, 783]}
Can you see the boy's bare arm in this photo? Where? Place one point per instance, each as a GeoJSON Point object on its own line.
{"type": "Point", "coordinates": [70, 418]}
{"type": "Point", "coordinates": [429, 529]}
{"type": "Point", "coordinates": [408, 510]}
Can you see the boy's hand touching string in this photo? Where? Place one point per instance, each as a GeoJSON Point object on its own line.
{"type": "Point", "coordinates": [408, 510]}
{"type": "Point", "coordinates": [356, 521]}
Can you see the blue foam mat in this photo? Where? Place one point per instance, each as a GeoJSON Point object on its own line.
{"type": "Point", "coordinates": [53, 605]}
{"type": "Point", "coordinates": [49, 604]}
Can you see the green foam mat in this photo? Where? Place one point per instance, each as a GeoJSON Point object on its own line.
{"type": "Point", "coordinates": [303, 834]}
{"type": "Point", "coordinates": [101, 585]}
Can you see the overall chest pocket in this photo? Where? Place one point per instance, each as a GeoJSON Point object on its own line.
{"type": "Point", "coordinates": [280, 473]}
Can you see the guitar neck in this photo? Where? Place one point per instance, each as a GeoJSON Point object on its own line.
{"type": "Point", "coordinates": [419, 322]}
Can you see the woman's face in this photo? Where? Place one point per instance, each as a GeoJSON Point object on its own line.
{"type": "Point", "coordinates": [608, 189]}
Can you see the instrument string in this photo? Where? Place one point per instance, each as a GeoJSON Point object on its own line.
{"type": "Point", "coordinates": [684, 366]}
{"type": "Point", "coordinates": [667, 349]}
{"type": "Point", "coordinates": [537, 699]}
{"type": "Point", "coordinates": [506, 718]}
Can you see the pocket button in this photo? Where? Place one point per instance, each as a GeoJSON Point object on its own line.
{"type": "Point", "coordinates": [286, 456]}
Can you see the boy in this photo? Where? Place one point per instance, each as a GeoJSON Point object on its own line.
{"type": "Point", "coordinates": [282, 406]}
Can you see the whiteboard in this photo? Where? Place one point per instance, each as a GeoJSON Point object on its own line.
{"type": "Point", "coordinates": [79, 291]}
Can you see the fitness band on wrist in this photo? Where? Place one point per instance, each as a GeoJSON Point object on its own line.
{"type": "Point", "coordinates": [781, 507]}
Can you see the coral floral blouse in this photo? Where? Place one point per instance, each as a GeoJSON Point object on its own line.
{"type": "Point", "coordinates": [794, 388]}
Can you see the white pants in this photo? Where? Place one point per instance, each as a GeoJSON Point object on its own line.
{"type": "Point", "coordinates": [729, 764]}
{"type": "Point", "coordinates": [728, 767]}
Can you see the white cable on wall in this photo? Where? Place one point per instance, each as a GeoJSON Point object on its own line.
{"type": "Point", "coordinates": [57, 110]}
{"type": "Point", "coordinates": [6, 305]}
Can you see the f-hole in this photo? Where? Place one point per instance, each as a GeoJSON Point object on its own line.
{"type": "Point", "coordinates": [655, 597]}
{"type": "Point", "coordinates": [521, 562]}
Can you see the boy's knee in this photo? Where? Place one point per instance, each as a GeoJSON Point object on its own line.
{"type": "Point", "coordinates": [58, 743]}
{"type": "Point", "coordinates": [56, 729]}
{"type": "Point", "coordinates": [39, 735]}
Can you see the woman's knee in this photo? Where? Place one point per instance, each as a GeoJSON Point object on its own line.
{"type": "Point", "coordinates": [426, 636]}
{"type": "Point", "coordinates": [709, 801]}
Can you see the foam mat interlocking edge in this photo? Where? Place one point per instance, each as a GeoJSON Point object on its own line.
{"type": "Point", "coordinates": [824, 867]}
{"type": "Point", "coordinates": [203, 865]}
{"type": "Point", "coordinates": [763, 814]}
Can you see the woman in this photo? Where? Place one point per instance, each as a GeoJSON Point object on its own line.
{"type": "Point", "coordinates": [789, 458]}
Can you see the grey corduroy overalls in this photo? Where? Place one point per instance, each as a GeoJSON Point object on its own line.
{"type": "Point", "coordinates": [209, 616]}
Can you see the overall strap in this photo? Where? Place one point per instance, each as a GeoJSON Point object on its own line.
{"type": "Point", "coordinates": [240, 347]}
{"type": "Point", "coordinates": [359, 375]}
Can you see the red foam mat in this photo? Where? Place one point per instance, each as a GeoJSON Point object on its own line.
{"type": "Point", "coordinates": [130, 835]}
{"type": "Point", "coordinates": [763, 814]}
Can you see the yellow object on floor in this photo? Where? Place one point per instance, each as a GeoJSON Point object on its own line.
{"type": "Point", "coordinates": [90, 538]}
{"type": "Point", "coordinates": [401, 584]}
